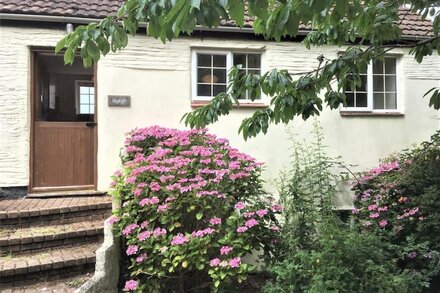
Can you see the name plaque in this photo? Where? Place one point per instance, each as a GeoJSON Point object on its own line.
{"type": "Point", "coordinates": [119, 101]}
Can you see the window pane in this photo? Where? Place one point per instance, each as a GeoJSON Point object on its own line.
{"type": "Point", "coordinates": [92, 90]}
{"type": "Point", "coordinates": [240, 59]}
{"type": "Point", "coordinates": [350, 99]}
{"type": "Point", "coordinates": [219, 89]}
{"type": "Point", "coordinates": [84, 90]}
{"type": "Point", "coordinates": [254, 60]}
{"type": "Point", "coordinates": [391, 101]}
{"type": "Point", "coordinates": [255, 71]}
{"type": "Point", "coordinates": [363, 87]}
{"type": "Point", "coordinates": [219, 60]}
{"type": "Point", "coordinates": [378, 83]}
{"type": "Point", "coordinates": [203, 90]}
{"type": "Point", "coordinates": [390, 66]}
{"type": "Point", "coordinates": [378, 67]}
{"type": "Point", "coordinates": [84, 99]}
{"type": "Point", "coordinates": [204, 60]}
{"type": "Point", "coordinates": [241, 72]}
{"type": "Point", "coordinates": [92, 109]}
{"type": "Point", "coordinates": [390, 83]}
{"type": "Point", "coordinates": [84, 109]}
{"type": "Point", "coordinates": [204, 75]}
{"type": "Point", "coordinates": [361, 99]}
{"type": "Point", "coordinates": [219, 76]}
{"type": "Point", "coordinates": [378, 101]}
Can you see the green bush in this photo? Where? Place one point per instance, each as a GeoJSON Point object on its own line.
{"type": "Point", "coordinates": [400, 200]}
{"type": "Point", "coordinates": [192, 208]}
{"type": "Point", "coordinates": [342, 260]}
{"type": "Point", "coordinates": [320, 253]}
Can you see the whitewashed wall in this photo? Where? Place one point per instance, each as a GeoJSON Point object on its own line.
{"type": "Point", "coordinates": [15, 99]}
{"type": "Point", "coordinates": [157, 77]}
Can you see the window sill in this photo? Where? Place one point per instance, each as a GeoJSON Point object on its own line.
{"type": "Point", "coordinates": [375, 114]}
{"type": "Point", "coordinates": [198, 104]}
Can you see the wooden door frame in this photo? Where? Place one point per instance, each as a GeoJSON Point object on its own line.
{"type": "Point", "coordinates": [32, 95]}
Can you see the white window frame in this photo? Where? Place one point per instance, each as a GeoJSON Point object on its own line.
{"type": "Point", "coordinates": [369, 108]}
{"type": "Point", "coordinates": [77, 96]}
{"type": "Point", "coordinates": [229, 63]}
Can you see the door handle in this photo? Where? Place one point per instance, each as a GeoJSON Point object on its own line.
{"type": "Point", "coordinates": [91, 124]}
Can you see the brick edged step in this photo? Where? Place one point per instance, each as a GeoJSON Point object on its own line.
{"type": "Point", "coordinates": [53, 264]}
{"type": "Point", "coordinates": [39, 238]}
{"type": "Point", "coordinates": [53, 211]}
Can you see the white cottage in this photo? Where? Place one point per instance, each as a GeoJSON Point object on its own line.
{"type": "Point", "coordinates": [62, 127]}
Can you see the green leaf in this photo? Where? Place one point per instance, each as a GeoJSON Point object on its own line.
{"type": "Point", "coordinates": [236, 10]}
{"type": "Point", "coordinates": [258, 8]}
{"type": "Point", "coordinates": [69, 56]}
{"type": "Point", "coordinates": [93, 51]}
{"type": "Point", "coordinates": [61, 44]}
{"type": "Point", "coordinates": [199, 215]}
{"type": "Point", "coordinates": [195, 4]}
{"type": "Point", "coordinates": [87, 62]}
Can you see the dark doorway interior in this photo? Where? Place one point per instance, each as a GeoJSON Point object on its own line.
{"type": "Point", "coordinates": [66, 91]}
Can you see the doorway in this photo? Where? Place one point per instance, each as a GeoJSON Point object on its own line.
{"type": "Point", "coordinates": [63, 130]}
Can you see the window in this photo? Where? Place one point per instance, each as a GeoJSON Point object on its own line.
{"type": "Point", "coordinates": [250, 63]}
{"type": "Point", "coordinates": [210, 71]}
{"type": "Point", "coordinates": [379, 90]}
{"type": "Point", "coordinates": [85, 97]}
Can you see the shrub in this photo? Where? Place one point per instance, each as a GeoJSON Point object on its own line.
{"type": "Point", "coordinates": [192, 208]}
{"type": "Point", "coordinates": [322, 254]}
{"type": "Point", "coordinates": [400, 200]}
{"type": "Point", "coordinates": [342, 260]}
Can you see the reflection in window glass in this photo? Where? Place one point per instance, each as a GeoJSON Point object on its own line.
{"type": "Point", "coordinates": [250, 63]}
{"type": "Point", "coordinates": [358, 98]}
{"type": "Point", "coordinates": [211, 74]}
{"type": "Point", "coordinates": [384, 84]}
{"type": "Point", "coordinates": [383, 91]}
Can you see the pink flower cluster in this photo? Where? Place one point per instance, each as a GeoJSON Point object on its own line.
{"type": "Point", "coordinates": [159, 232]}
{"type": "Point", "coordinates": [203, 233]}
{"type": "Point", "coordinates": [215, 221]}
{"type": "Point", "coordinates": [131, 285]}
{"type": "Point", "coordinates": [129, 229]}
{"type": "Point", "coordinates": [251, 223]}
{"type": "Point", "coordinates": [408, 213]}
{"type": "Point", "coordinates": [149, 201]}
{"type": "Point", "coordinates": [144, 235]}
{"type": "Point", "coordinates": [240, 205]}
{"type": "Point", "coordinates": [233, 263]}
{"type": "Point", "coordinates": [224, 250]}
{"type": "Point", "coordinates": [141, 258]}
{"type": "Point", "coordinates": [179, 239]}
{"type": "Point", "coordinates": [113, 219]}
{"type": "Point", "coordinates": [132, 249]}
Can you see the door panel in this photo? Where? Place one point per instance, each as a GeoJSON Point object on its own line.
{"type": "Point", "coordinates": [63, 154]}
{"type": "Point", "coordinates": [63, 146]}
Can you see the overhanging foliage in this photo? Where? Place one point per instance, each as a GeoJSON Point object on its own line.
{"type": "Point", "coordinates": [370, 29]}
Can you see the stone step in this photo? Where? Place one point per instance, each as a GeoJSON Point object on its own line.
{"type": "Point", "coordinates": [29, 212]}
{"type": "Point", "coordinates": [53, 264]}
{"type": "Point", "coordinates": [60, 194]}
{"type": "Point", "coordinates": [68, 285]}
{"type": "Point", "coordinates": [13, 241]}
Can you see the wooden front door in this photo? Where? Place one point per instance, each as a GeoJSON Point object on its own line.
{"type": "Point", "coordinates": [63, 138]}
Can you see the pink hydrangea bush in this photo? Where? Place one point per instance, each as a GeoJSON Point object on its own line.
{"type": "Point", "coordinates": [192, 207]}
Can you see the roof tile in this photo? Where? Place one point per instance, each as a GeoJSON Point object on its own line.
{"type": "Point", "coordinates": [410, 23]}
